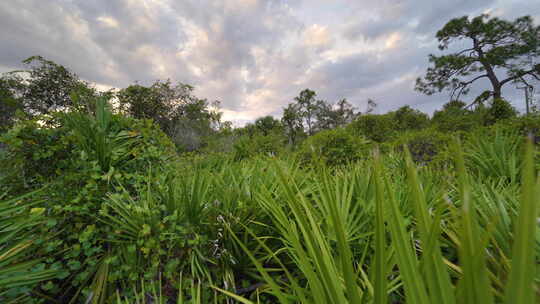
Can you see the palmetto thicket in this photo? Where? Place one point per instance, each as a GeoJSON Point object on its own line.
{"type": "Point", "coordinates": [117, 218]}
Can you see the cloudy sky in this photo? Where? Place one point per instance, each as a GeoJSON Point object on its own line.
{"type": "Point", "coordinates": [253, 55]}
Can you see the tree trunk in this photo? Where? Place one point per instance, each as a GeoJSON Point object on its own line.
{"type": "Point", "coordinates": [496, 91]}
{"type": "Point", "coordinates": [495, 83]}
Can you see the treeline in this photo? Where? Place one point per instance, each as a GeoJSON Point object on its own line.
{"type": "Point", "coordinates": [335, 133]}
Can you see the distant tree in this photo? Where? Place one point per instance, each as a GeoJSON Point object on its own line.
{"type": "Point", "coordinates": [45, 86]}
{"type": "Point", "coordinates": [181, 115]}
{"type": "Point", "coordinates": [379, 128]}
{"type": "Point", "coordinates": [331, 116]}
{"type": "Point", "coordinates": [308, 107]}
{"type": "Point", "coordinates": [454, 116]}
{"type": "Point", "coordinates": [407, 118]}
{"type": "Point", "coordinates": [267, 124]}
{"type": "Point", "coordinates": [495, 45]}
{"type": "Point", "coordinates": [292, 122]}
{"type": "Point", "coordinates": [499, 109]}
{"type": "Point", "coordinates": [9, 104]}
{"type": "Point", "coordinates": [162, 101]}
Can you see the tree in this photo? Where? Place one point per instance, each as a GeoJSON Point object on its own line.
{"type": "Point", "coordinates": [407, 118]}
{"type": "Point", "coordinates": [181, 115]}
{"type": "Point", "coordinates": [379, 128]}
{"type": "Point", "coordinates": [331, 116]}
{"type": "Point", "coordinates": [292, 121]}
{"type": "Point", "coordinates": [496, 46]}
{"type": "Point", "coordinates": [454, 116]}
{"type": "Point", "coordinates": [308, 106]}
{"type": "Point", "coordinates": [9, 104]}
{"type": "Point", "coordinates": [499, 109]}
{"type": "Point", "coordinates": [45, 86]}
{"type": "Point", "coordinates": [267, 124]}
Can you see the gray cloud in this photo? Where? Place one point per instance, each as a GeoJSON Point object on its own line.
{"type": "Point", "coordinates": [253, 55]}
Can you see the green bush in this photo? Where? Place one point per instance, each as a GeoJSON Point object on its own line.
{"type": "Point", "coordinates": [378, 128]}
{"type": "Point", "coordinates": [20, 269]}
{"type": "Point", "coordinates": [81, 159]}
{"type": "Point", "coordinates": [527, 125]}
{"type": "Point", "coordinates": [407, 118]}
{"type": "Point", "coordinates": [249, 146]}
{"type": "Point", "coordinates": [453, 117]}
{"type": "Point", "coordinates": [499, 109]}
{"type": "Point", "coordinates": [425, 145]}
{"type": "Point", "coordinates": [334, 147]}
{"type": "Point", "coordinates": [494, 153]}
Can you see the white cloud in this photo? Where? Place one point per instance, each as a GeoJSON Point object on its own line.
{"type": "Point", "coordinates": [253, 55]}
{"type": "Point", "coordinates": [318, 36]}
{"type": "Point", "coordinates": [108, 21]}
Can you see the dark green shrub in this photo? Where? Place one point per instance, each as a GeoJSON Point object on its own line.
{"type": "Point", "coordinates": [378, 128]}
{"type": "Point", "coordinates": [407, 118]}
{"type": "Point", "coordinates": [334, 147]}
{"type": "Point", "coordinates": [81, 159]}
{"type": "Point", "coordinates": [528, 125]}
{"type": "Point", "coordinates": [454, 117]}
{"type": "Point", "coordinates": [499, 109]}
{"type": "Point", "coordinates": [425, 145]}
{"type": "Point", "coordinates": [249, 146]}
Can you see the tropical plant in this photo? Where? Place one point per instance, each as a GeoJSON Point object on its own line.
{"type": "Point", "coordinates": [20, 270]}
{"type": "Point", "coordinates": [443, 256]}
{"type": "Point", "coordinates": [334, 147]}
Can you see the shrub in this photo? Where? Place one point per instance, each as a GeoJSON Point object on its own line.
{"type": "Point", "coordinates": [454, 117]}
{"type": "Point", "coordinates": [499, 109]}
{"type": "Point", "coordinates": [528, 125]}
{"type": "Point", "coordinates": [378, 128]}
{"type": "Point", "coordinates": [249, 146]}
{"type": "Point", "coordinates": [81, 159]}
{"type": "Point", "coordinates": [20, 269]}
{"type": "Point", "coordinates": [333, 147]}
{"type": "Point", "coordinates": [425, 145]}
{"type": "Point", "coordinates": [407, 118]}
{"type": "Point", "coordinates": [494, 153]}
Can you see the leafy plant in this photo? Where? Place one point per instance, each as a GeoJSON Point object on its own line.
{"type": "Point", "coordinates": [333, 147]}
{"type": "Point", "coordinates": [20, 270]}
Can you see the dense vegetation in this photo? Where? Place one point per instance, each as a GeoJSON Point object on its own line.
{"type": "Point", "coordinates": [144, 195]}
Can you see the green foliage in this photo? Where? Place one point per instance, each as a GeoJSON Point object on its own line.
{"type": "Point", "coordinates": [267, 125]}
{"type": "Point", "coordinates": [495, 153]}
{"type": "Point", "coordinates": [246, 146]}
{"type": "Point", "coordinates": [499, 109]}
{"type": "Point", "coordinates": [378, 128]}
{"type": "Point", "coordinates": [308, 108]}
{"type": "Point", "coordinates": [490, 49]}
{"type": "Point", "coordinates": [20, 270]}
{"type": "Point", "coordinates": [454, 117]}
{"type": "Point", "coordinates": [313, 115]}
{"type": "Point", "coordinates": [45, 87]}
{"type": "Point", "coordinates": [333, 147]}
{"type": "Point", "coordinates": [81, 160]}
{"type": "Point", "coordinates": [407, 118]}
{"type": "Point", "coordinates": [425, 145]}
{"type": "Point", "coordinates": [188, 120]}
{"type": "Point", "coordinates": [443, 241]}
{"type": "Point", "coordinates": [528, 125]}
{"type": "Point", "coordinates": [292, 122]}
{"type": "Point", "coordinates": [9, 105]}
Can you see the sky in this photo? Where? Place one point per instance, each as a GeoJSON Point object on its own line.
{"type": "Point", "coordinates": [254, 56]}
